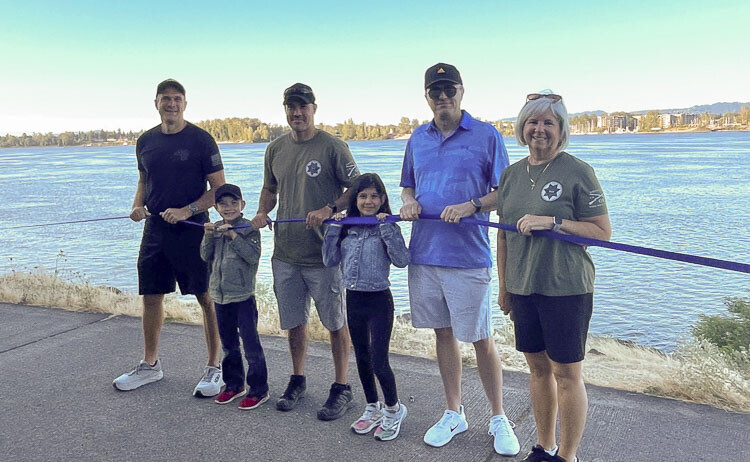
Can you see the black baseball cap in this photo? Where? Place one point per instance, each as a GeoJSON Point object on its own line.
{"type": "Point", "coordinates": [442, 71]}
{"type": "Point", "coordinates": [170, 83]}
{"type": "Point", "coordinates": [228, 190]}
{"type": "Point", "coordinates": [299, 91]}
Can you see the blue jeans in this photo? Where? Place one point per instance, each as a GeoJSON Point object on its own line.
{"type": "Point", "coordinates": [242, 317]}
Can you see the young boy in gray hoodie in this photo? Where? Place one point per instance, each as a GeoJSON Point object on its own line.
{"type": "Point", "coordinates": [231, 247]}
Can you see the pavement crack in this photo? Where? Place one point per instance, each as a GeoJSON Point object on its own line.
{"type": "Point", "coordinates": [31, 342]}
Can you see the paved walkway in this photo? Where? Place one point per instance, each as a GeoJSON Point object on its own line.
{"type": "Point", "coordinates": [58, 404]}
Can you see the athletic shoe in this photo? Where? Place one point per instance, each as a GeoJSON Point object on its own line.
{"type": "Point", "coordinates": [370, 419]}
{"type": "Point", "coordinates": [143, 374]}
{"type": "Point", "coordinates": [339, 401]}
{"type": "Point", "coordinates": [506, 443]}
{"type": "Point", "coordinates": [451, 424]}
{"type": "Point", "coordinates": [391, 425]}
{"type": "Point", "coordinates": [294, 392]}
{"type": "Point", "coordinates": [227, 396]}
{"type": "Point", "coordinates": [537, 454]}
{"type": "Point", "coordinates": [557, 458]}
{"type": "Point", "coordinates": [251, 402]}
{"type": "Point", "coordinates": [210, 384]}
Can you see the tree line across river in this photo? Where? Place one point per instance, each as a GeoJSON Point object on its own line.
{"type": "Point", "coordinates": [253, 130]}
{"type": "Point", "coordinates": [232, 130]}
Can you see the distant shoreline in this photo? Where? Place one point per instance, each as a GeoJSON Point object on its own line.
{"type": "Point", "coordinates": [405, 137]}
{"type": "Point", "coordinates": [664, 132]}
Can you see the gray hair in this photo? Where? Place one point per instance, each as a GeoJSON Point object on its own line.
{"type": "Point", "coordinates": [538, 106]}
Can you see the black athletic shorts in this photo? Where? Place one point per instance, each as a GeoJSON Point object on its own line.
{"type": "Point", "coordinates": [169, 253]}
{"type": "Point", "coordinates": [558, 325]}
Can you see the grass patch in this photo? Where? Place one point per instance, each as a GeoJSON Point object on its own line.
{"type": "Point", "coordinates": [698, 371]}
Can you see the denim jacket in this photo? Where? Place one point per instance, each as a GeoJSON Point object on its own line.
{"type": "Point", "coordinates": [234, 263]}
{"type": "Point", "coordinates": [366, 253]}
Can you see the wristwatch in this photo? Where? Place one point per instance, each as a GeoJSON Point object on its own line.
{"type": "Point", "coordinates": [477, 204]}
{"type": "Point", "coordinates": [332, 205]}
{"type": "Point", "coordinates": [557, 224]}
{"type": "Point", "coordinates": [193, 208]}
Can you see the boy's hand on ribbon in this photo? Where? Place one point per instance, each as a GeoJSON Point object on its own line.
{"type": "Point", "coordinates": [225, 229]}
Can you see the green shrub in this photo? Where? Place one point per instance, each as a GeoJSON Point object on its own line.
{"type": "Point", "coordinates": [730, 332]}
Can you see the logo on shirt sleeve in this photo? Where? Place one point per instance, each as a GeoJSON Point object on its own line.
{"type": "Point", "coordinates": [216, 159]}
{"type": "Point", "coordinates": [313, 168]}
{"type": "Point", "coordinates": [552, 191]}
{"type": "Point", "coordinates": [351, 169]}
{"type": "Point", "coordinates": [596, 198]}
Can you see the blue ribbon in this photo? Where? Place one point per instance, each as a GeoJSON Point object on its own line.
{"type": "Point", "coordinates": [585, 241]}
{"type": "Point", "coordinates": [67, 222]}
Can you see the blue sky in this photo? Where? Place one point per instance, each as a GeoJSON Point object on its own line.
{"type": "Point", "coordinates": [80, 65]}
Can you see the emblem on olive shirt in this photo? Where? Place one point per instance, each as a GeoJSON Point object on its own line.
{"type": "Point", "coordinates": [313, 168]}
{"type": "Point", "coordinates": [596, 198]}
{"type": "Point", "coordinates": [351, 169]}
{"type": "Point", "coordinates": [551, 191]}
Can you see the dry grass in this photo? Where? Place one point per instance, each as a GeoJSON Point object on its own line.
{"type": "Point", "coordinates": [696, 372]}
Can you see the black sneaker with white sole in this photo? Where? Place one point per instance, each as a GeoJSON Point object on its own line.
{"type": "Point", "coordinates": [339, 401]}
{"type": "Point", "coordinates": [293, 393]}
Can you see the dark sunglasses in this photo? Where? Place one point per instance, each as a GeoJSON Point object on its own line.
{"type": "Point", "coordinates": [534, 96]}
{"type": "Point", "coordinates": [434, 93]}
{"type": "Point", "coordinates": [297, 91]}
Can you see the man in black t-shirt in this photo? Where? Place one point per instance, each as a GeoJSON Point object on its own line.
{"type": "Point", "coordinates": [175, 159]}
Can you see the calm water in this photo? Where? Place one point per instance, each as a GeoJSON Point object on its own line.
{"type": "Point", "coordinates": [683, 192]}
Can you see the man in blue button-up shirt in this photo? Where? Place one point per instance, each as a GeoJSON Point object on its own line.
{"type": "Point", "coordinates": [451, 168]}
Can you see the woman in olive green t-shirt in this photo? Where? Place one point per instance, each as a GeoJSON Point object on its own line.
{"type": "Point", "coordinates": [546, 284]}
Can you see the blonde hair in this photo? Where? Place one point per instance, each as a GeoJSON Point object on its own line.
{"type": "Point", "coordinates": [538, 106]}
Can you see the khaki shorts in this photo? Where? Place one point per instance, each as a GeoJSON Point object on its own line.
{"type": "Point", "coordinates": [459, 298]}
{"type": "Point", "coordinates": [295, 285]}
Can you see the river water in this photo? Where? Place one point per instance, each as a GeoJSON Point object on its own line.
{"type": "Point", "coordinates": [686, 193]}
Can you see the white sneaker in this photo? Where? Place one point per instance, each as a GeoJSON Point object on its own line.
{"type": "Point", "coordinates": [143, 374]}
{"type": "Point", "coordinates": [506, 443]}
{"type": "Point", "coordinates": [391, 425]}
{"type": "Point", "coordinates": [210, 384]}
{"type": "Point", "coordinates": [451, 424]}
{"type": "Point", "coordinates": [370, 419]}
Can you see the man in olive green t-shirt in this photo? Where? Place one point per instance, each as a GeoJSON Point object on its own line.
{"type": "Point", "coordinates": [306, 171]}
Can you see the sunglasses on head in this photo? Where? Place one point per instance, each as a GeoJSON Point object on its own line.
{"type": "Point", "coordinates": [534, 96]}
{"type": "Point", "coordinates": [435, 92]}
{"type": "Point", "coordinates": [296, 91]}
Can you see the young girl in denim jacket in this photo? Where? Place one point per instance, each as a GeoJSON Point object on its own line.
{"type": "Point", "coordinates": [366, 253]}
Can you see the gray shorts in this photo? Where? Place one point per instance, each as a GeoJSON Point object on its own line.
{"type": "Point", "coordinates": [459, 298]}
{"type": "Point", "coordinates": [294, 285]}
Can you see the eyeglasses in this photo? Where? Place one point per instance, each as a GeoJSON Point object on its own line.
{"type": "Point", "coordinates": [534, 96]}
{"type": "Point", "coordinates": [435, 92]}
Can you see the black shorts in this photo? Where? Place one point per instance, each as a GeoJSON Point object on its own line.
{"type": "Point", "coordinates": [169, 253]}
{"type": "Point", "coordinates": [558, 325]}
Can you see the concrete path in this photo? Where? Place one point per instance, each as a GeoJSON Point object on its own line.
{"type": "Point", "coordinates": [59, 405]}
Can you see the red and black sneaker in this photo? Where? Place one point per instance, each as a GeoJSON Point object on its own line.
{"type": "Point", "coordinates": [227, 396]}
{"type": "Point", "coordinates": [251, 402]}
